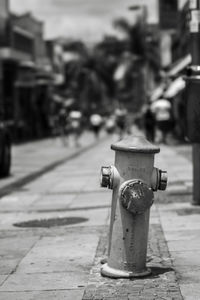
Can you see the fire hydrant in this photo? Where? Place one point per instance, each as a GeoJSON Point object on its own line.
{"type": "Point", "coordinates": [133, 180]}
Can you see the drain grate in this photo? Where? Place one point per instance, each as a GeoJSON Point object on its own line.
{"type": "Point", "coordinates": [46, 223]}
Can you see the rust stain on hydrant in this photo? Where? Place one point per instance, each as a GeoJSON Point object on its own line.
{"type": "Point", "coordinates": [133, 180]}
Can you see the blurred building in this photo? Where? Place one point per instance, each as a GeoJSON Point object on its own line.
{"type": "Point", "coordinates": [26, 73]}
{"type": "Point", "coordinates": [55, 53]}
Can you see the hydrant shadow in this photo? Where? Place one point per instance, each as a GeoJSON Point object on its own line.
{"type": "Point", "coordinates": [155, 273]}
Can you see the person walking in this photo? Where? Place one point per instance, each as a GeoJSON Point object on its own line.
{"type": "Point", "coordinates": [96, 123]}
{"type": "Point", "coordinates": [163, 116]}
{"type": "Point", "coordinates": [110, 124]}
{"type": "Point", "coordinates": [75, 120]}
{"type": "Point", "coordinates": [121, 121]}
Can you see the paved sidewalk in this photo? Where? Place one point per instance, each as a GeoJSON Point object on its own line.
{"type": "Point", "coordinates": [64, 262]}
{"type": "Point", "coordinates": [32, 159]}
{"type": "Point", "coordinates": [180, 222]}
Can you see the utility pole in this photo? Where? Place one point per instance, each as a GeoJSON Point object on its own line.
{"type": "Point", "coordinates": [193, 96]}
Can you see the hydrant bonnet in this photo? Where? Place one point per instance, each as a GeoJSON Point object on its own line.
{"type": "Point", "coordinates": [136, 144]}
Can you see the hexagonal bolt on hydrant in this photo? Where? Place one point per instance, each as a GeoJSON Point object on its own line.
{"type": "Point", "coordinates": [133, 180]}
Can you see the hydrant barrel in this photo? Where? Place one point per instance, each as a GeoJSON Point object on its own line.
{"type": "Point", "coordinates": [131, 202]}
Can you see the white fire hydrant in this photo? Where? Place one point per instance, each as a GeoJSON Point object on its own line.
{"type": "Point", "coordinates": [133, 180]}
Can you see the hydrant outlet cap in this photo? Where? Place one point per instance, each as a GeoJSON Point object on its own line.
{"type": "Point", "coordinates": [105, 177]}
{"type": "Point", "coordinates": [136, 197]}
{"type": "Point", "coordinates": [163, 181]}
{"type": "Point", "coordinates": [137, 144]}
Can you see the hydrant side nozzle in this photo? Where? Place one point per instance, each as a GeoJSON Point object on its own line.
{"type": "Point", "coordinates": [163, 180]}
{"type": "Point", "coordinates": [158, 180]}
{"type": "Point", "coordinates": [105, 176]}
{"type": "Point", "coordinates": [109, 177]}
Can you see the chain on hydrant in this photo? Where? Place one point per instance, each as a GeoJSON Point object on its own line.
{"type": "Point", "coordinates": [133, 180]}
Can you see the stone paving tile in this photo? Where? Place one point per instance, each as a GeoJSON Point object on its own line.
{"type": "Point", "coordinates": [16, 202]}
{"type": "Point", "coordinates": [180, 224]}
{"type": "Point", "coordinates": [8, 265]}
{"type": "Point", "coordinates": [30, 160]}
{"type": "Point", "coordinates": [72, 253]}
{"type": "Point", "coordinates": [70, 185]}
{"type": "Point", "coordinates": [186, 258]}
{"type": "Point", "coordinates": [190, 291]}
{"type": "Point", "coordinates": [94, 199]}
{"type": "Point", "coordinates": [188, 274]}
{"type": "Point", "coordinates": [165, 198]}
{"type": "Point", "coordinates": [44, 282]}
{"type": "Point", "coordinates": [2, 279]}
{"type": "Point", "coordinates": [52, 202]}
{"type": "Point", "coordinates": [177, 235]}
{"type": "Point", "coordinates": [184, 245]}
{"type": "Point", "coordinates": [12, 251]}
{"type": "Point", "coordinates": [40, 295]}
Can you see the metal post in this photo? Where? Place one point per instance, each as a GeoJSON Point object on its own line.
{"type": "Point", "coordinates": [195, 52]}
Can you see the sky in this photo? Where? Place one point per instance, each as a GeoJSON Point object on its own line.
{"type": "Point", "coordinates": [85, 19]}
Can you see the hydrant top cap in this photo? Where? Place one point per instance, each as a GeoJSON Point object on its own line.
{"type": "Point", "coordinates": [137, 144]}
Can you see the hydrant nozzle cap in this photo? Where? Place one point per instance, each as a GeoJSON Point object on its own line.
{"type": "Point", "coordinates": [163, 180]}
{"type": "Point", "coordinates": [137, 144]}
{"type": "Point", "coordinates": [105, 177]}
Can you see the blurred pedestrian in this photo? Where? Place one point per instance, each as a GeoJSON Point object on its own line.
{"type": "Point", "coordinates": [96, 122]}
{"type": "Point", "coordinates": [75, 122]}
{"type": "Point", "coordinates": [110, 124]}
{"type": "Point", "coordinates": [163, 115]}
{"type": "Point", "coordinates": [149, 124]}
{"type": "Point", "coordinates": [63, 125]}
{"type": "Point", "coordinates": [121, 119]}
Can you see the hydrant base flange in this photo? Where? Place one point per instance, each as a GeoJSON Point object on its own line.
{"type": "Point", "coordinates": [114, 273]}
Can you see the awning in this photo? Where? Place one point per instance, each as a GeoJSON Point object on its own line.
{"type": "Point", "coordinates": [175, 87]}
{"type": "Point", "coordinates": [179, 65]}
